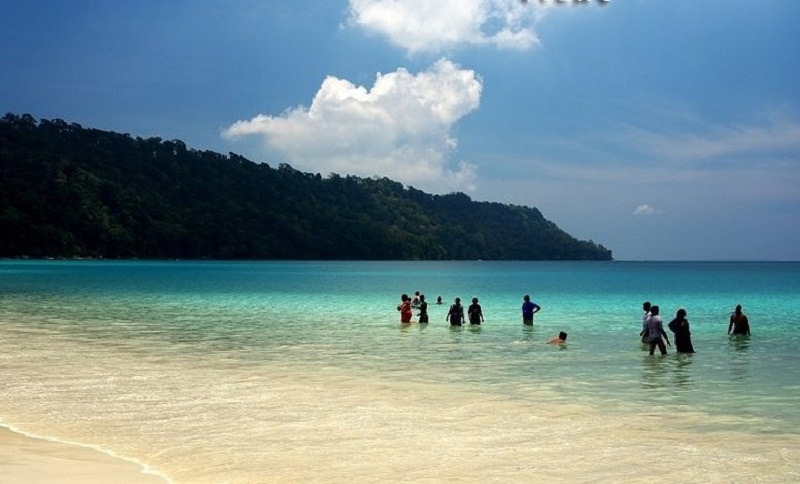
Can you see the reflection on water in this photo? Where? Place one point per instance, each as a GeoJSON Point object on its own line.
{"type": "Point", "coordinates": [740, 342]}
{"type": "Point", "coordinates": [654, 371]}
{"type": "Point", "coordinates": [740, 359]}
{"type": "Point", "coordinates": [672, 374]}
{"type": "Point", "coordinates": [529, 333]}
{"type": "Point", "coordinates": [683, 375]}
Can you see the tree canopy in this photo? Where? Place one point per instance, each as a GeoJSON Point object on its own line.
{"type": "Point", "coordinates": [70, 191]}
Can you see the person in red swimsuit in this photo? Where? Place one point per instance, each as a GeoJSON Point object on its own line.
{"type": "Point", "coordinates": [405, 309]}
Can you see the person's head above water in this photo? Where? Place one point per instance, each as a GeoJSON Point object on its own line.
{"type": "Point", "coordinates": [562, 335]}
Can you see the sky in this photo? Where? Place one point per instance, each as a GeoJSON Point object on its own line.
{"type": "Point", "coordinates": [664, 130]}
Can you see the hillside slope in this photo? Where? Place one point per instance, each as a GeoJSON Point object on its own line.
{"type": "Point", "coordinates": [70, 191]}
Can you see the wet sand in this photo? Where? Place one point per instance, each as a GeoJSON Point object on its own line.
{"type": "Point", "coordinates": [25, 460]}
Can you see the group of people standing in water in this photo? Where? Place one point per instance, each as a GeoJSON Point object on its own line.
{"type": "Point", "coordinates": [456, 313]}
{"type": "Point", "coordinates": [456, 316]}
{"type": "Point", "coordinates": [654, 336]}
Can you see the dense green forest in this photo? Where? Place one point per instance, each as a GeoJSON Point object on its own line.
{"type": "Point", "coordinates": [70, 191]}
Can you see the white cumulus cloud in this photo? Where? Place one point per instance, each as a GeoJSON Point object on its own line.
{"type": "Point", "coordinates": [438, 25]}
{"type": "Point", "coordinates": [645, 209]}
{"type": "Point", "coordinates": [400, 128]}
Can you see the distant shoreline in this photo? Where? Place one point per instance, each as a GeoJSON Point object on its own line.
{"type": "Point", "coordinates": [627, 261]}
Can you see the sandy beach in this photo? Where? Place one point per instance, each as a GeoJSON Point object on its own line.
{"type": "Point", "coordinates": [24, 460]}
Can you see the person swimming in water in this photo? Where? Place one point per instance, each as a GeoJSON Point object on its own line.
{"type": "Point", "coordinates": [560, 339]}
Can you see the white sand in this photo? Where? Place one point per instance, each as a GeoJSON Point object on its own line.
{"type": "Point", "coordinates": [26, 460]}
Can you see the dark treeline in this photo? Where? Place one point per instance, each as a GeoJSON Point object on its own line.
{"type": "Point", "coordinates": [69, 191]}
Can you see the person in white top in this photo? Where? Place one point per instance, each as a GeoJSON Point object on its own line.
{"type": "Point", "coordinates": [655, 332]}
{"type": "Point", "coordinates": [646, 309]}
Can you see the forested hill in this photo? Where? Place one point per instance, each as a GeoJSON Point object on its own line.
{"type": "Point", "coordinates": [69, 191]}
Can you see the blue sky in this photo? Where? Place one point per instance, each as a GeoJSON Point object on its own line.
{"type": "Point", "coordinates": [665, 130]}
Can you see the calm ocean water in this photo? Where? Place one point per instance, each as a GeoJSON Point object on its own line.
{"type": "Point", "coordinates": [301, 371]}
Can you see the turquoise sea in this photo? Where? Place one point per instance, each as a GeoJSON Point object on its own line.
{"type": "Point", "coordinates": [249, 372]}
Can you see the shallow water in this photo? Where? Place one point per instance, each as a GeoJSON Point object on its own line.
{"type": "Point", "coordinates": [301, 372]}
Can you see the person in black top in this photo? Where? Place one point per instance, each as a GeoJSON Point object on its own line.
{"type": "Point", "coordinates": [475, 312]}
{"type": "Point", "coordinates": [456, 313]}
{"type": "Point", "coordinates": [423, 309]}
{"type": "Point", "coordinates": [739, 323]}
{"type": "Point", "coordinates": [680, 328]}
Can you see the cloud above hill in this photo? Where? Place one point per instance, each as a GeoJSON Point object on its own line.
{"type": "Point", "coordinates": [399, 128]}
{"type": "Point", "coordinates": [436, 26]}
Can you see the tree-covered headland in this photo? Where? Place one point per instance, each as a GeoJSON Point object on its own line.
{"type": "Point", "coordinates": [70, 191]}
